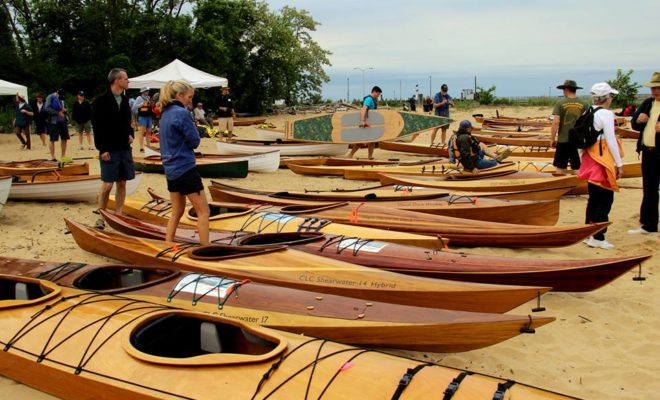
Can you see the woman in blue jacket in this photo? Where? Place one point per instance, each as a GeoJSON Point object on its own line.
{"type": "Point", "coordinates": [178, 139]}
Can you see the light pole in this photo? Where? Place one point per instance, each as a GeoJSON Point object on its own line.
{"type": "Point", "coordinates": [363, 70]}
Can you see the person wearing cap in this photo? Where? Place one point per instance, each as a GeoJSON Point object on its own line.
{"type": "Point", "coordinates": [470, 152]}
{"type": "Point", "coordinates": [40, 117]}
{"type": "Point", "coordinates": [113, 136]}
{"type": "Point", "coordinates": [441, 102]}
{"type": "Point", "coordinates": [57, 123]}
{"type": "Point", "coordinates": [601, 164]}
{"type": "Point", "coordinates": [369, 102]}
{"type": "Point", "coordinates": [566, 112]}
{"type": "Point", "coordinates": [82, 119]}
{"type": "Point", "coordinates": [646, 121]}
{"type": "Point", "coordinates": [142, 107]}
{"type": "Point", "coordinates": [225, 112]}
{"type": "Point", "coordinates": [200, 115]}
{"type": "Point", "coordinates": [23, 120]}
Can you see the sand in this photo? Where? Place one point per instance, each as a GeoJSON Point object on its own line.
{"type": "Point", "coordinates": [603, 344]}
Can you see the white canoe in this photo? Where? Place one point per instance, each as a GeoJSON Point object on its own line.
{"type": "Point", "coordinates": [67, 188]}
{"type": "Point", "coordinates": [286, 149]}
{"type": "Point", "coordinates": [5, 186]}
{"type": "Point", "coordinates": [268, 161]}
{"type": "Point", "coordinates": [271, 135]}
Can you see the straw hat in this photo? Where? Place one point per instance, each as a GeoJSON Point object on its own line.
{"type": "Point", "coordinates": [655, 80]}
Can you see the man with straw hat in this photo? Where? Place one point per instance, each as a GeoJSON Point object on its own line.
{"type": "Point", "coordinates": [646, 122]}
{"type": "Point", "coordinates": [566, 112]}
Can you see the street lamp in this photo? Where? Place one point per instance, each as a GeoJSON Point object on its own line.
{"type": "Point", "coordinates": [363, 69]}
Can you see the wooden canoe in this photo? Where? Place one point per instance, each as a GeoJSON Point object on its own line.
{"type": "Point", "coordinates": [208, 167]}
{"type": "Point", "coordinates": [511, 140]}
{"type": "Point", "coordinates": [561, 275]}
{"type": "Point", "coordinates": [83, 345]}
{"type": "Point", "coordinates": [34, 166]}
{"type": "Point", "coordinates": [343, 127]}
{"type": "Point", "coordinates": [434, 202]}
{"type": "Point", "coordinates": [327, 316]}
{"type": "Point", "coordinates": [487, 184]}
{"type": "Point", "coordinates": [268, 161]}
{"type": "Point", "coordinates": [252, 219]}
{"type": "Point", "coordinates": [5, 187]}
{"type": "Point", "coordinates": [48, 187]}
{"type": "Point", "coordinates": [281, 266]}
{"type": "Point", "coordinates": [286, 149]}
{"type": "Point", "coordinates": [459, 231]}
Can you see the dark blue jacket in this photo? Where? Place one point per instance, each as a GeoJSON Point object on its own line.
{"type": "Point", "coordinates": [178, 139]}
{"type": "Point", "coordinates": [112, 123]}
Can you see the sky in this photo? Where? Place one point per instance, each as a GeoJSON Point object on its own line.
{"type": "Point", "coordinates": [524, 48]}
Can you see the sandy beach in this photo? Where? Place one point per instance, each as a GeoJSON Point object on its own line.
{"type": "Point", "coordinates": [603, 344]}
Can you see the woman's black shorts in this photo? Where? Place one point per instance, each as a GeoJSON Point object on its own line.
{"type": "Point", "coordinates": [189, 182]}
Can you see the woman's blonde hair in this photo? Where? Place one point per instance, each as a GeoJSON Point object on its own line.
{"type": "Point", "coordinates": [170, 90]}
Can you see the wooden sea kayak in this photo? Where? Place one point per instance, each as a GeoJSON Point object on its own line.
{"type": "Point", "coordinates": [258, 162]}
{"type": "Point", "coordinates": [433, 169]}
{"type": "Point", "coordinates": [277, 265]}
{"type": "Point", "coordinates": [208, 167]}
{"type": "Point", "coordinates": [562, 275]}
{"type": "Point", "coordinates": [50, 187]}
{"type": "Point", "coordinates": [426, 201]}
{"type": "Point", "coordinates": [459, 231]}
{"type": "Point", "coordinates": [488, 184]}
{"type": "Point", "coordinates": [34, 166]}
{"type": "Point", "coordinates": [513, 140]}
{"type": "Point", "coordinates": [252, 219]}
{"type": "Point", "coordinates": [286, 149]}
{"type": "Point", "coordinates": [81, 345]}
{"type": "Point", "coordinates": [433, 150]}
{"type": "Point", "coordinates": [327, 316]}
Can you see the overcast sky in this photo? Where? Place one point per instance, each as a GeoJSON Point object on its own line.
{"type": "Point", "coordinates": [523, 47]}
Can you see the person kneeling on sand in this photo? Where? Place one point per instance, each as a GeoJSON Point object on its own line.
{"type": "Point", "coordinates": [470, 152]}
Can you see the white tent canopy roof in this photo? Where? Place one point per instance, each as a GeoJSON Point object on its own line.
{"type": "Point", "coordinates": [8, 88]}
{"type": "Point", "coordinates": [177, 70]}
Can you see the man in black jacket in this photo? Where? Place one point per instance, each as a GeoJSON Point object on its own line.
{"type": "Point", "coordinates": [113, 135]}
{"type": "Point", "coordinates": [82, 116]}
{"type": "Point", "coordinates": [646, 122]}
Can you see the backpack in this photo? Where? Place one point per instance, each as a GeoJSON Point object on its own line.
{"type": "Point", "coordinates": [583, 135]}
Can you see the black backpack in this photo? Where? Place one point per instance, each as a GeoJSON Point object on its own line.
{"type": "Point", "coordinates": [582, 134]}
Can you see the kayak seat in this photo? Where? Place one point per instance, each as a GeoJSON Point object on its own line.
{"type": "Point", "coordinates": [27, 291]}
{"type": "Point", "coordinates": [132, 277]}
{"type": "Point", "coordinates": [209, 338]}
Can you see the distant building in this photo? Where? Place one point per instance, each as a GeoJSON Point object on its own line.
{"type": "Point", "coordinates": [467, 94]}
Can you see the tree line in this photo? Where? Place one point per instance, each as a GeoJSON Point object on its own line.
{"type": "Point", "coordinates": [72, 44]}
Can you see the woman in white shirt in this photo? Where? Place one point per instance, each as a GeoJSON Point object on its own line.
{"type": "Point", "coordinates": [601, 164]}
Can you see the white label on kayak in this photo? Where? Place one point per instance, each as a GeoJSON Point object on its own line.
{"type": "Point", "coordinates": [278, 217]}
{"type": "Point", "coordinates": [199, 284]}
{"type": "Point", "coordinates": [358, 244]}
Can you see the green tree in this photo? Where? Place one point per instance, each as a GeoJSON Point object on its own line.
{"type": "Point", "coordinates": [626, 87]}
{"type": "Point", "coordinates": [486, 96]}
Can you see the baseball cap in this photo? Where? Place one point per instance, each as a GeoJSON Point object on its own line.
{"type": "Point", "coordinates": [603, 89]}
{"type": "Point", "coordinates": [144, 89]}
{"type": "Point", "coordinates": [81, 93]}
{"type": "Point", "coordinates": [465, 124]}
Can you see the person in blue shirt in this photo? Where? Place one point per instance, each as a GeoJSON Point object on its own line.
{"type": "Point", "coordinates": [369, 103]}
{"type": "Point", "coordinates": [441, 102]}
{"type": "Point", "coordinates": [178, 140]}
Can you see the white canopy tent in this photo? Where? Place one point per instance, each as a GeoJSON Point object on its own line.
{"type": "Point", "coordinates": [8, 88]}
{"type": "Point", "coordinates": [177, 70]}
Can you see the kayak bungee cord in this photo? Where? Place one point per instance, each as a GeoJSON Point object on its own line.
{"type": "Point", "coordinates": [352, 241]}
{"type": "Point", "coordinates": [229, 285]}
{"type": "Point", "coordinates": [56, 273]}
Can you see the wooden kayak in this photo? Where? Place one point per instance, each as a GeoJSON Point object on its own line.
{"type": "Point", "coordinates": [487, 184]}
{"type": "Point", "coordinates": [245, 121]}
{"type": "Point", "coordinates": [208, 167]}
{"type": "Point", "coordinates": [5, 187]}
{"type": "Point", "coordinates": [510, 140]}
{"type": "Point", "coordinates": [527, 151]}
{"type": "Point", "coordinates": [83, 345]}
{"type": "Point", "coordinates": [630, 169]}
{"type": "Point", "coordinates": [626, 133]}
{"type": "Point", "coordinates": [459, 231]}
{"type": "Point", "coordinates": [561, 275]}
{"type": "Point", "coordinates": [286, 149]}
{"type": "Point", "coordinates": [434, 202]}
{"type": "Point", "coordinates": [433, 150]}
{"type": "Point", "coordinates": [253, 219]}
{"type": "Point", "coordinates": [281, 266]}
{"type": "Point", "coordinates": [327, 316]}
{"type": "Point", "coordinates": [33, 166]}
{"type": "Point", "coordinates": [434, 169]}
{"type": "Point", "coordinates": [50, 187]}
{"type": "Point", "coordinates": [366, 171]}
{"type": "Point", "coordinates": [341, 161]}
{"type": "Point", "coordinates": [343, 127]}
{"type": "Point", "coordinates": [268, 161]}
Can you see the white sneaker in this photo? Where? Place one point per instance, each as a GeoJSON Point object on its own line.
{"type": "Point", "coordinates": [80, 148]}
{"type": "Point", "coordinates": [601, 244]}
{"type": "Point", "coordinates": [639, 231]}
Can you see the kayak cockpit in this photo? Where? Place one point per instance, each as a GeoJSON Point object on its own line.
{"type": "Point", "coordinates": [223, 252]}
{"type": "Point", "coordinates": [188, 338]}
{"type": "Point", "coordinates": [284, 238]}
{"type": "Point", "coordinates": [18, 291]}
{"type": "Point", "coordinates": [118, 278]}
